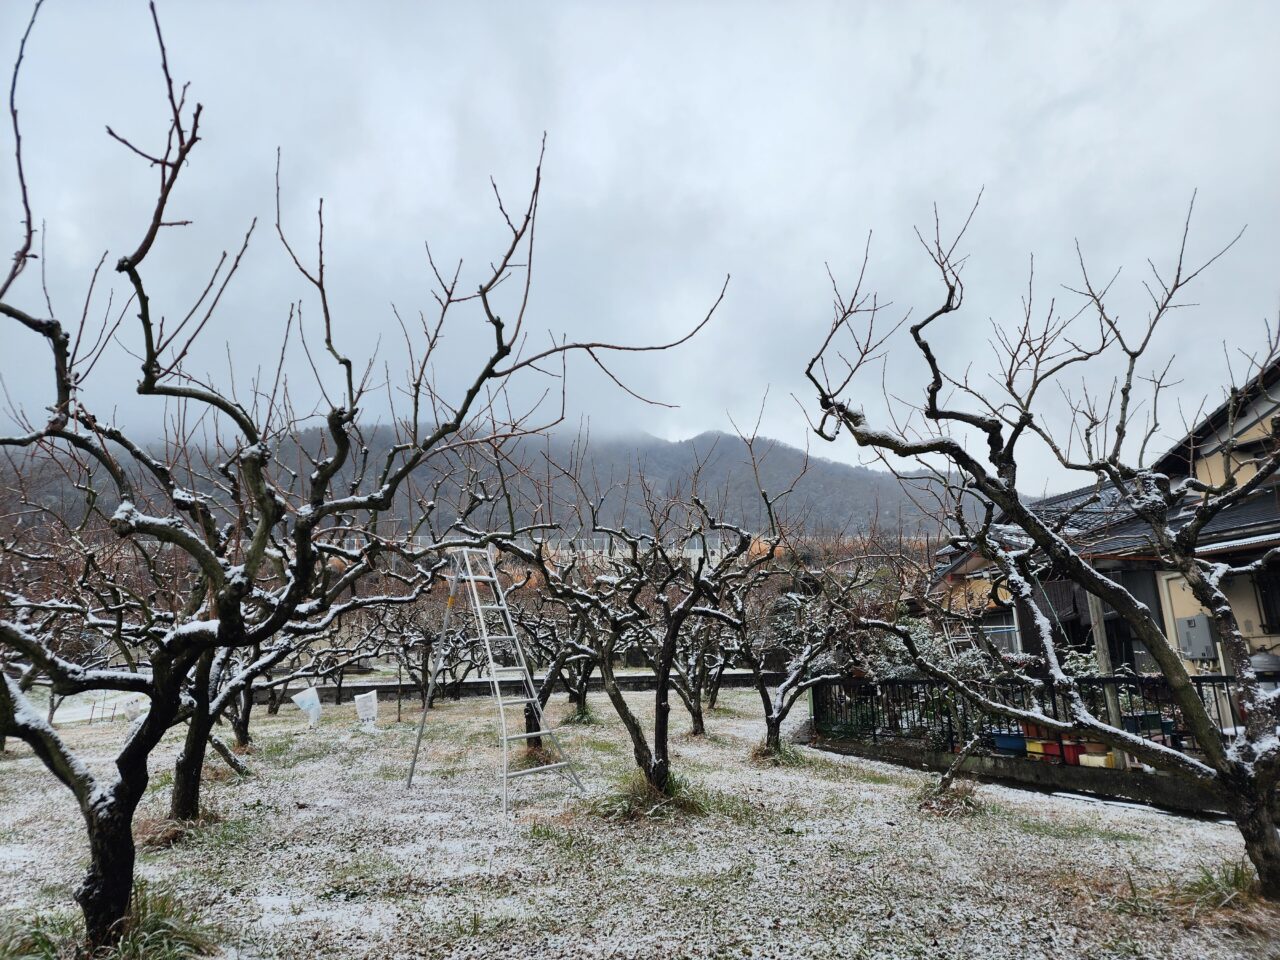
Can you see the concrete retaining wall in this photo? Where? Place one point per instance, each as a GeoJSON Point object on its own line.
{"type": "Point", "coordinates": [1158, 789]}
{"type": "Point", "coordinates": [479, 686]}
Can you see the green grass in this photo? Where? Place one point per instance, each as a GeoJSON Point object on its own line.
{"type": "Point", "coordinates": [793, 756]}
{"type": "Point", "coordinates": [632, 797]}
{"type": "Point", "coordinates": [720, 710]}
{"type": "Point", "coordinates": [597, 744]}
{"type": "Point", "coordinates": [720, 879]}
{"type": "Point", "coordinates": [478, 925]}
{"type": "Point", "coordinates": [227, 833]}
{"type": "Point", "coordinates": [1059, 830]}
{"type": "Point", "coordinates": [1227, 885]}
{"type": "Point", "coordinates": [287, 752]}
{"type": "Point", "coordinates": [574, 843]}
{"type": "Point", "coordinates": [369, 875]}
{"type": "Point", "coordinates": [1231, 883]}
{"type": "Point", "coordinates": [583, 718]}
{"type": "Point", "coordinates": [688, 736]}
{"type": "Point", "coordinates": [482, 737]}
{"type": "Point", "coordinates": [47, 936]}
{"type": "Point", "coordinates": [160, 926]}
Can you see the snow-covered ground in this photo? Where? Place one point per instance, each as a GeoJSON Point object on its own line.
{"type": "Point", "coordinates": [323, 853]}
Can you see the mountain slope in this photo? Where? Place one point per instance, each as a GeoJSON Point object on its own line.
{"type": "Point", "coordinates": [832, 497]}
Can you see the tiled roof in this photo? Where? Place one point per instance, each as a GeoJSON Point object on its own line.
{"type": "Point", "coordinates": [1245, 524]}
{"type": "Point", "coordinates": [1087, 508]}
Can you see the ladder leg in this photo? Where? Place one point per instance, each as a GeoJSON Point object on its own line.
{"type": "Point", "coordinates": [503, 634]}
{"type": "Point", "coordinates": [506, 757]}
{"type": "Point", "coordinates": [413, 764]}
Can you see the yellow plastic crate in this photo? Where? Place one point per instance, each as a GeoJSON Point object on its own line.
{"type": "Point", "coordinates": [1107, 759]}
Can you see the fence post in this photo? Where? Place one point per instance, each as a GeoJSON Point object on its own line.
{"type": "Point", "coordinates": [949, 701]}
{"type": "Point", "coordinates": [875, 721]}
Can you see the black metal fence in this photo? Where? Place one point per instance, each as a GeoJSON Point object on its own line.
{"type": "Point", "coordinates": [930, 714]}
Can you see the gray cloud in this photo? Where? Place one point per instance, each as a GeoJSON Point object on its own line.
{"type": "Point", "coordinates": [686, 141]}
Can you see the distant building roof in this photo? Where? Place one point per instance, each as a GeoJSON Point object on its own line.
{"type": "Point", "coordinates": [1177, 461]}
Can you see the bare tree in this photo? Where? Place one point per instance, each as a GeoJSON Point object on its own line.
{"type": "Point", "coordinates": [259, 555]}
{"type": "Point", "coordinates": [636, 586]}
{"type": "Point", "coordinates": [799, 620]}
{"type": "Point", "coordinates": [554, 640]}
{"type": "Point", "coordinates": [973, 435]}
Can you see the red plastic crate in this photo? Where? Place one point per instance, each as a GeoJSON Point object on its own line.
{"type": "Point", "coordinates": [1033, 731]}
{"type": "Point", "coordinates": [1068, 751]}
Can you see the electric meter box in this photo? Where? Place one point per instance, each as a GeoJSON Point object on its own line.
{"type": "Point", "coordinates": [1197, 640]}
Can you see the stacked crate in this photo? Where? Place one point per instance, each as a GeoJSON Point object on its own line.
{"type": "Point", "coordinates": [1045, 745]}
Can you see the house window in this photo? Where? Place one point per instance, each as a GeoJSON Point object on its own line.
{"type": "Point", "coordinates": [1267, 583]}
{"type": "Point", "coordinates": [1002, 630]}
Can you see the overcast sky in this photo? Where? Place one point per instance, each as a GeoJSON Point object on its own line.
{"type": "Point", "coordinates": [685, 142]}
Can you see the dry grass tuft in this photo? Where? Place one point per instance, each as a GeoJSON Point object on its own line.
{"type": "Point", "coordinates": [218, 773]}
{"type": "Point", "coordinates": [785, 756]}
{"type": "Point", "coordinates": [532, 757]}
{"type": "Point", "coordinates": [635, 798]}
{"type": "Point", "coordinates": [158, 833]}
{"type": "Point", "coordinates": [959, 800]}
{"type": "Point", "coordinates": [1224, 893]}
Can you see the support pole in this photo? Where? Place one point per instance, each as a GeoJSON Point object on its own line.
{"type": "Point", "coordinates": [431, 681]}
{"type": "Point", "coordinates": [1102, 654]}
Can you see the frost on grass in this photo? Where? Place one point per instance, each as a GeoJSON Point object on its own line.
{"type": "Point", "coordinates": [323, 853]}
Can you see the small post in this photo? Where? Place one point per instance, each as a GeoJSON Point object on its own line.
{"type": "Point", "coordinates": [1102, 654]}
{"type": "Point", "coordinates": [431, 681]}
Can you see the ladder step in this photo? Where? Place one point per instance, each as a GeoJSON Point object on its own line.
{"type": "Point", "coordinates": [516, 701]}
{"type": "Point", "coordinates": [501, 636]}
{"type": "Point", "coordinates": [520, 670]}
{"type": "Point", "coordinates": [479, 579]}
{"type": "Point", "coordinates": [543, 769]}
{"type": "Point", "coordinates": [529, 736]}
{"type": "Point", "coordinates": [493, 606]}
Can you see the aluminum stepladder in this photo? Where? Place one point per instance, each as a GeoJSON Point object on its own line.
{"type": "Point", "coordinates": [474, 571]}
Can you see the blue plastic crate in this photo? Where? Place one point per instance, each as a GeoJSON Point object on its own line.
{"type": "Point", "coordinates": [1011, 743]}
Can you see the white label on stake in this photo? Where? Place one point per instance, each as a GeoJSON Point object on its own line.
{"type": "Point", "coordinates": [367, 706]}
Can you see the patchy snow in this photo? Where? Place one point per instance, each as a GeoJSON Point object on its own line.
{"type": "Point", "coordinates": [325, 854]}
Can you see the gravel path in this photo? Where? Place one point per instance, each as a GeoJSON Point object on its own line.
{"type": "Point", "coordinates": [323, 854]}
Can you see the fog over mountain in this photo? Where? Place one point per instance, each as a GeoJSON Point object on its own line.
{"type": "Point", "coordinates": [826, 496]}
{"type": "Point", "coordinates": [831, 497]}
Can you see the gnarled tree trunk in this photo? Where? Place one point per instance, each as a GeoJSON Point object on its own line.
{"type": "Point", "coordinates": [644, 756]}
{"type": "Point", "coordinates": [276, 698]}
{"type": "Point", "coordinates": [717, 678]}
{"type": "Point", "coordinates": [240, 718]}
{"type": "Point", "coordinates": [107, 887]}
{"type": "Point", "coordinates": [1255, 815]}
{"type": "Point", "coordinates": [188, 770]}
{"type": "Point", "coordinates": [694, 703]}
{"type": "Point", "coordinates": [189, 767]}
